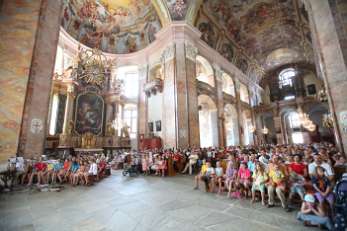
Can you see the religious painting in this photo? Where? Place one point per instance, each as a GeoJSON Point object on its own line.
{"type": "Point", "coordinates": [158, 125]}
{"type": "Point", "coordinates": [150, 127]}
{"type": "Point", "coordinates": [89, 113]}
{"type": "Point", "coordinates": [122, 26]}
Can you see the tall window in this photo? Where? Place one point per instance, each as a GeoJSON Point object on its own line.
{"type": "Point", "coordinates": [285, 78]}
{"type": "Point", "coordinates": [129, 76]}
{"type": "Point", "coordinates": [294, 120]}
{"type": "Point", "coordinates": [294, 123]}
{"type": "Point", "coordinates": [54, 115]}
{"type": "Point", "coordinates": [130, 118]}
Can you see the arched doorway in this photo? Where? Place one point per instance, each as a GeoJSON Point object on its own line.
{"type": "Point", "coordinates": [231, 127]}
{"type": "Point", "coordinates": [207, 121]}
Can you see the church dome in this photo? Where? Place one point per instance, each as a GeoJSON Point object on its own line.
{"type": "Point", "coordinates": [118, 27]}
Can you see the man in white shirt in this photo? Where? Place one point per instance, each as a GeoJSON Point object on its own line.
{"type": "Point", "coordinates": [318, 162]}
{"type": "Point", "coordinates": [263, 158]}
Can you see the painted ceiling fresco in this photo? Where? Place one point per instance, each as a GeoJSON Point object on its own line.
{"type": "Point", "coordinates": [258, 27]}
{"type": "Point", "coordinates": [121, 26]}
{"type": "Point", "coordinates": [178, 8]}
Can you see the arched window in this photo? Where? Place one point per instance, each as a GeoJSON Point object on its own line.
{"type": "Point", "coordinates": [285, 78]}
{"type": "Point", "coordinates": [130, 118]}
{"type": "Point", "coordinates": [130, 78]}
{"type": "Point", "coordinates": [294, 120]}
{"type": "Point", "coordinates": [228, 85]}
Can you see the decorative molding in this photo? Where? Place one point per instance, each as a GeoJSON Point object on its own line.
{"type": "Point", "coordinates": [191, 51]}
{"type": "Point", "coordinates": [168, 53]}
{"type": "Point", "coordinates": [218, 71]}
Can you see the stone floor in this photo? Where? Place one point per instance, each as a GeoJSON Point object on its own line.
{"type": "Point", "coordinates": [142, 203]}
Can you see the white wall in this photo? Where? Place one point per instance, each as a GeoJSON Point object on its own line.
{"type": "Point", "coordinates": [155, 111]}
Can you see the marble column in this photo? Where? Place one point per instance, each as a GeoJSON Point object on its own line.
{"type": "Point", "coordinates": [68, 108]}
{"type": "Point", "coordinates": [239, 112]}
{"type": "Point", "coordinates": [220, 104]}
{"type": "Point", "coordinates": [142, 101]}
{"type": "Point", "coordinates": [33, 130]}
{"type": "Point", "coordinates": [180, 101]}
{"type": "Point", "coordinates": [192, 95]}
{"type": "Point", "coordinates": [278, 126]}
{"type": "Point", "coordinates": [18, 28]}
{"type": "Point", "coordinates": [330, 64]}
{"type": "Point", "coordinates": [169, 98]}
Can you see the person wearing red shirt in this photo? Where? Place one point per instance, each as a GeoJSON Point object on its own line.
{"type": "Point", "coordinates": [298, 166]}
{"type": "Point", "coordinates": [297, 175]}
{"type": "Point", "coordinates": [39, 171]}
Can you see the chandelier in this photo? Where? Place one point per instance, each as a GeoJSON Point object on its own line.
{"type": "Point", "coordinates": [322, 95]}
{"type": "Point", "coordinates": [265, 130]}
{"type": "Point", "coordinates": [305, 121]}
{"type": "Point", "coordinates": [91, 67]}
{"type": "Point", "coordinates": [252, 129]}
{"type": "Point", "coordinates": [328, 120]}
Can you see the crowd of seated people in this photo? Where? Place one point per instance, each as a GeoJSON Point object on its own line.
{"type": "Point", "coordinates": [294, 174]}
{"type": "Point", "coordinates": [74, 170]}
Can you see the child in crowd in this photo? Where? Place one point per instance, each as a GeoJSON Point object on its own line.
{"type": "Point", "coordinates": [93, 170]}
{"type": "Point", "coordinates": [322, 185]}
{"type": "Point", "coordinates": [244, 179]}
{"type": "Point", "coordinates": [145, 164]}
{"type": "Point", "coordinates": [231, 174]}
{"type": "Point", "coordinates": [259, 179]}
{"type": "Point", "coordinates": [218, 177]}
{"type": "Point", "coordinates": [313, 214]}
{"type": "Point", "coordinates": [57, 167]}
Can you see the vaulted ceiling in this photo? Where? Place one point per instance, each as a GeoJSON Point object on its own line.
{"type": "Point", "coordinates": [274, 32]}
{"type": "Point", "coordinates": [270, 33]}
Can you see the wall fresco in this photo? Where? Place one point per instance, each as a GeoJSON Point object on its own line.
{"type": "Point", "coordinates": [113, 26]}
{"type": "Point", "coordinates": [259, 26]}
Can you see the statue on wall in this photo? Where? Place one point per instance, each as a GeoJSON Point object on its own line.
{"type": "Point", "coordinates": [125, 131]}
{"type": "Point", "coordinates": [110, 131]}
{"type": "Point", "coordinates": [70, 128]}
{"type": "Point", "coordinates": [88, 140]}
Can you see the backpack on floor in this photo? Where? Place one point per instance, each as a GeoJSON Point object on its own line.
{"type": "Point", "coordinates": [340, 191]}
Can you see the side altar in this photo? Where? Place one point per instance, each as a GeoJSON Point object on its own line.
{"type": "Point", "coordinates": [91, 119]}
